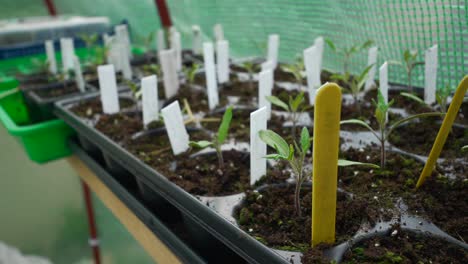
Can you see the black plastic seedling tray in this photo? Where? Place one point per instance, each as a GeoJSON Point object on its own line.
{"type": "Point", "coordinates": [234, 242]}
{"type": "Point", "coordinates": [160, 229]}
{"type": "Point", "coordinates": [42, 108]}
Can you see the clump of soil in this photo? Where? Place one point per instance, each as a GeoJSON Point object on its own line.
{"type": "Point", "coordinates": [419, 137]}
{"type": "Point", "coordinates": [89, 108]}
{"type": "Point", "coordinates": [405, 247]}
{"type": "Point", "coordinates": [269, 216]}
{"type": "Point", "coordinates": [58, 90]}
{"type": "Point", "coordinates": [383, 187]}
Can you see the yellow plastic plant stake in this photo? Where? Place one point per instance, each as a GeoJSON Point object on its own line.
{"type": "Point", "coordinates": [325, 165]}
{"type": "Point", "coordinates": [444, 130]}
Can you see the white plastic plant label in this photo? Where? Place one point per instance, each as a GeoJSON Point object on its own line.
{"type": "Point", "coordinates": [50, 52]}
{"type": "Point", "coordinates": [170, 78]}
{"type": "Point", "coordinates": [108, 88]}
{"type": "Point", "coordinates": [371, 60]}
{"type": "Point", "coordinates": [267, 65]}
{"type": "Point", "coordinates": [218, 32]}
{"type": "Point", "coordinates": [197, 40]}
{"type": "Point", "coordinates": [319, 42]}
{"type": "Point", "coordinates": [210, 75]}
{"type": "Point", "coordinates": [273, 47]}
{"type": "Point", "coordinates": [383, 80]}
{"type": "Point", "coordinates": [265, 86]}
{"type": "Point", "coordinates": [124, 61]}
{"type": "Point", "coordinates": [312, 68]}
{"type": "Point", "coordinates": [160, 40]}
{"type": "Point", "coordinates": [222, 61]}
{"type": "Point", "coordinates": [258, 149]}
{"type": "Point", "coordinates": [430, 74]}
{"type": "Point", "coordinates": [78, 74]}
{"type": "Point", "coordinates": [121, 33]}
{"type": "Point", "coordinates": [150, 101]}
{"type": "Point", "coordinates": [176, 46]}
{"type": "Point", "coordinates": [175, 128]}
{"type": "Point", "coordinates": [68, 52]}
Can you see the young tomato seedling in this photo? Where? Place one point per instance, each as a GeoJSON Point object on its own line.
{"type": "Point", "coordinates": [442, 96]}
{"type": "Point", "coordinates": [356, 84]}
{"type": "Point", "coordinates": [348, 53]}
{"type": "Point", "coordinates": [294, 107]}
{"type": "Point", "coordinates": [190, 73]}
{"type": "Point", "coordinates": [295, 69]}
{"type": "Point", "coordinates": [383, 132]}
{"type": "Point", "coordinates": [250, 67]}
{"type": "Point", "coordinates": [295, 155]}
{"type": "Point", "coordinates": [409, 63]}
{"type": "Point", "coordinates": [219, 139]}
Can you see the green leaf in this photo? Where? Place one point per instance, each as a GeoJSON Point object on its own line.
{"type": "Point", "coordinates": [356, 122]}
{"type": "Point", "coordinates": [464, 148]}
{"type": "Point", "coordinates": [330, 44]}
{"type": "Point", "coordinates": [276, 101]}
{"type": "Point", "coordinates": [275, 141]}
{"type": "Point", "coordinates": [200, 144]}
{"type": "Point", "coordinates": [224, 127]}
{"type": "Point", "coordinates": [305, 140]}
{"type": "Point", "coordinates": [367, 44]}
{"type": "Point", "coordinates": [346, 163]}
{"type": "Point", "coordinates": [274, 156]}
{"type": "Point", "coordinates": [404, 120]}
{"type": "Point", "coordinates": [413, 97]}
{"type": "Point", "coordinates": [297, 101]}
{"type": "Point", "coordinates": [291, 152]}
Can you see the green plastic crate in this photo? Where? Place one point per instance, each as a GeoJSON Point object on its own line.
{"type": "Point", "coordinates": [42, 142]}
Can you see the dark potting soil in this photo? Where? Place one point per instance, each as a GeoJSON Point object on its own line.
{"type": "Point", "coordinates": [381, 188]}
{"type": "Point", "coordinates": [122, 126]}
{"type": "Point", "coordinates": [200, 79]}
{"type": "Point", "coordinates": [405, 247]}
{"type": "Point", "coordinates": [89, 108]}
{"type": "Point", "coordinates": [69, 88]}
{"type": "Point", "coordinates": [462, 116]}
{"type": "Point", "coordinates": [269, 216]}
{"type": "Point", "coordinates": [443, 201]}
{"type": "Point", "coordinates": [419, 137]}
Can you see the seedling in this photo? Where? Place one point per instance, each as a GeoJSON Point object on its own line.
{"type": "Point", "coordinates": [90, 41]}
{"type": "Point", "coordinates": [356, 84]}
{"type": "Point", "coordinates": [147, 42]}
{"type": "Point", "coordinates": [348, 53]}
{"type": "Point", "coordinates": [135, 88]}
{"type": "Point", "coordinates": [295, 160]}
{"type": "Point", "coordinates": [190, 73]}
{"type": "Point", "coordinates": [409, 63]}
{"type": "Point", "coordinates": [383, 132]}
{"type": "Point", "coordinates": [250, 67]}
{"type": "Point", "coordinates": [294, 107]}
{"type": "Point", "coordinates": [295, 69]}
{"type": "Point", "coordinates": [295, 155]}
{"type": "Point", "coordinates": [41, 65]}
{"type": "Point", "coordinates": [219, 139]}
{"type": "Point", "coordinates": [152, 69]}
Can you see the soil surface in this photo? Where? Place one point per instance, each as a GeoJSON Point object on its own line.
{"type": "Point", "coordinates": [197, 99]}
{"type": "Point", "coordinates": [89, 108]}
{"type": "Point", "coordinates": [269, 216]}
{"type": "Point", "coordinates": [199, 175]}
{"type": "Point", "coordinates": [405, 247]}
{"type": "Point", "coordinates": [381, 188]}
{"type": "Point", "coordinates": [419, 137]}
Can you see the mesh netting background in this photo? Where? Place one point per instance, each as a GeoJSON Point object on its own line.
{"type": "Point", "coordinates": [394, 25]}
